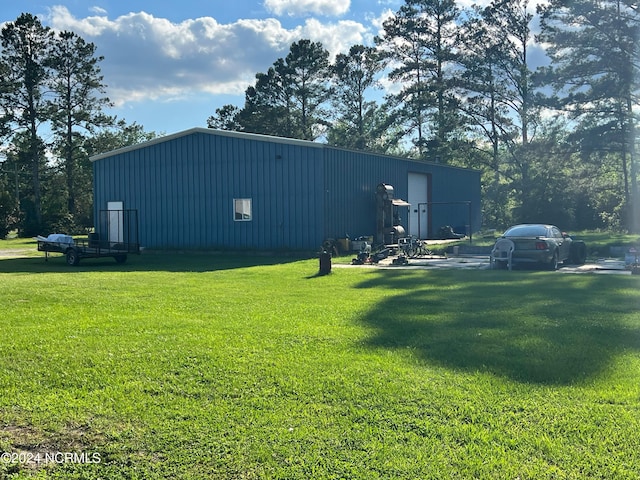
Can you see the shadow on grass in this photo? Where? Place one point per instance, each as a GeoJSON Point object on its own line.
{"type": "Point", "coordinates": [536, 327]}
{"type": "Point", "coordinates": [170, 262]}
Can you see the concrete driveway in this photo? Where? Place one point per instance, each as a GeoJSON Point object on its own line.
{"type": "Point", "coordinates": [481, 262]}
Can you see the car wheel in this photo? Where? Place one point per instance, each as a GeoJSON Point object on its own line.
{"type": "Point", "coordinates": [553, 264]}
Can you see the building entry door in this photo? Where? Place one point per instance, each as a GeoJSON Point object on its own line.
{"type": "Point", "coordinates": [418, 193]}
{"type": "Point", "coordinates": [116, 222]}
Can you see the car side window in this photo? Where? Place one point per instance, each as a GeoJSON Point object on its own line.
{"type": "Point", "coordinates": [556, 233]}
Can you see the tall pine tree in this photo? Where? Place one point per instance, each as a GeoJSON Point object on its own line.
{"type": "Point", "coordinates": [289, 100]}
{"type": "Point", "coordinates": [76, 109]}
{"type": "Point", "coordinates": [354, 75]}
{"type": "Point", "coordinates": [25, 49]}
{"type": "Point", "coordinates": [419, 43]}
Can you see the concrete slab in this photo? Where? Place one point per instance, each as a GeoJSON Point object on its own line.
{"type": "Point", "coordinates": [481, 262]}
{"type": "Point", "coordinates": [602, 265]}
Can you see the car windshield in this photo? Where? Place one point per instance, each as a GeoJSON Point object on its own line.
{"type": "Point", "coordinates": [526, 231]}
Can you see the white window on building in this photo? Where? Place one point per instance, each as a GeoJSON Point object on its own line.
{"type": "Point", "coordinates": [242, 209]}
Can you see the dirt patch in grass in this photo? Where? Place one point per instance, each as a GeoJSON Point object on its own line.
{"type": "Point", "coordinates": [27, 448]}
{"type": "Point", "coordinates": [15, 253]}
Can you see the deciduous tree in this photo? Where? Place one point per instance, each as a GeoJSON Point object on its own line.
{"type": "Point", "coordinates": [594, 51]}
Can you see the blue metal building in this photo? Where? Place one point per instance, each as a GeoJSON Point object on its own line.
{"type": "Point", "coordinates": [205, 189]}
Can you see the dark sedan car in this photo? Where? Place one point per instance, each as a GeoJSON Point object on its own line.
{"type": "Point", "coordinates": [537, 243]}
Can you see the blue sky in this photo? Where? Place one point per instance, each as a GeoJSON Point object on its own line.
{"type": "Point", "coordinates": [170, 63]}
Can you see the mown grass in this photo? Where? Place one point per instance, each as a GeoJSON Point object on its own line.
{"type": "Point", "coordinates": [206, 366]}
{"type": "Point", "coordinates": [600, 243]}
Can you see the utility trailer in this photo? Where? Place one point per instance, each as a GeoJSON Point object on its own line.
{"type": "Point", "coordinates": [117, 237]}
{"type": "Point", "coordinates": [91, 248]}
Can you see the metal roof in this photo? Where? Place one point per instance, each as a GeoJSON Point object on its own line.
{"type": "Point", "coordinates": [209, 131]}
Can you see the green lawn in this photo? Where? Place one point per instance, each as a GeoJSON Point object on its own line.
{"type": "Point", "coordinates": [239, 367]}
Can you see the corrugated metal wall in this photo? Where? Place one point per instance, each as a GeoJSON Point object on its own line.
{"type": "Point", "coordinates": [183, 187]}
{"type": "Point", "coordinates": [352, 178]}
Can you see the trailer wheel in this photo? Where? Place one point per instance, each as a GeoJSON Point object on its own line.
{"type": "Point", "coordinates": [72, 257]}
{"type": "Point", "coordinates": [120, 258]}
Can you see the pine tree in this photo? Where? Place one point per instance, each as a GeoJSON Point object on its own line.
{"type": "Point", "coordinates": [77, 107]}
{"type": "Point", "coordinates": [419, 44]}
{"type": "Point", "coordinates": [26, 48]}
{"type": "Point", "coordinates": [289, 99]}
{"type": "Point", "coordinates": [355, 74]}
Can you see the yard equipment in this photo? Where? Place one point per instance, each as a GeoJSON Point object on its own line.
{"type": "Point", "coordinates": [364, 255]}
{"type": "Point", "coordinates": [388, 228]}
{"type": "Point", "coordinates": [413, 247]}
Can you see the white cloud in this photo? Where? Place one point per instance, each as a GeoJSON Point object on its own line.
{"type": "Point", "coordinates": [146, 57]}
{"type": "Point", "coordinates": [471, 3]}
{"type": "Point", "coordinates": [336, 38]}
{"type": "Point", "coordinates": [378, 22]}
{"type": "Point", "coordinates": [307, 7]}
{"type": "Point", "coordinates": [98, 10]}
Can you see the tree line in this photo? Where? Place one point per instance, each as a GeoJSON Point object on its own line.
{"type": "Point", "coordinates": [555, 143]}
{"type": "Point", "coordinates": [52, 101]}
